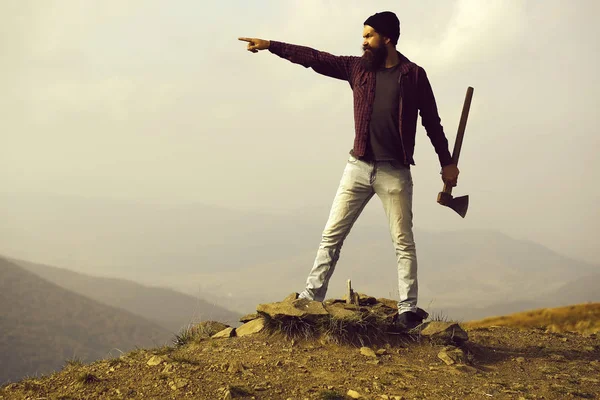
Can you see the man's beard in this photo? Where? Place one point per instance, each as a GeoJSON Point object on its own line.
{"type": "Point", "coordinates": [374, 59]}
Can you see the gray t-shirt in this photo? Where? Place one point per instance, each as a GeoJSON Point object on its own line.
{"type": "Point", "coordinates": [384, 142]}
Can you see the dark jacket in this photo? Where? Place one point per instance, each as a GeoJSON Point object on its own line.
{"type": "Point", "coordinates": [416, 97]}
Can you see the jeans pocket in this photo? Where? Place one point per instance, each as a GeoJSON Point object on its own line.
{"type": "Point", "coordinates": [352, 159]}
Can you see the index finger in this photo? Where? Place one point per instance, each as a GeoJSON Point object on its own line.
{"type": "Point", "coordinates": [245, 39]}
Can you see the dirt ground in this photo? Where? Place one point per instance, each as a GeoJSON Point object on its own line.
{"type": "Point", "coordinates": [502, 363]}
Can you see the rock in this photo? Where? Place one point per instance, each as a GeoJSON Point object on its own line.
{"type": "Point", "coordinates": [302, 308]}
{"type": "Point", "coordinates": [381, 352]}
{"type": "Point", "coordinates": [353, 394]}
{"type": "Point", "coordinates": [209, 328]}
{"type": "Point", "coordinates": [225, 333]}
{"type": "Point", "coordinates": [340, 312]}
{"type": "Point", "coordinates": [260, 387]}
{"type": "Point", "coordinates": [366, 300]}
{"type": "Point", "coordinates": [366, 351]}
{"type": "Point", "coordinates": [251, 327]}
{"type": "Point", "coordinates": [291, 297]}
{"type": "Point", "coordinates": [228, 395]}
{"type": "Point", "coordinates": [444, 332]}
{"type": "Point", "coordinates": [248, 317]}
{"type": "Point", "coordinates": [520, 360]}
{"type": "Point", "coordinates": [178, 383]}
{"type": "Point", "coordinates": [236, 366]}
{"type": "Point", "coordinates": [452, 355]}
{"type": "Point", "coordinates": [155, 360]}
{"type": "Point", "coordinates": [393, 304]}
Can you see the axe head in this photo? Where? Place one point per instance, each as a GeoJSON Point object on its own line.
{"type": "Point", "coordinates": [458, 204]}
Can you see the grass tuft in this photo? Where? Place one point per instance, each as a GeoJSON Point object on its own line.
{"type": "Point", "coordinates": [86, 377]}
{"type": "Point", "coordinates": [74, 362]}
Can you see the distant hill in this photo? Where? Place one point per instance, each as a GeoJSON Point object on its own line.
{"type": "Point", "coordinates": [578, 291]}
{"type": "Point", "coordinates": [43, 325]}
{"type": "Point", "coordinates": [169, 308]}
{"type": "Point", "coordinates": [582, 318]}
{"type": "Point", "coordinates": [238, 259]}
{"type": "Point", "coordinates": [459, 271]}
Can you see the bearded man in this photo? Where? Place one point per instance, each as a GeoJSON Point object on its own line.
{"type": "Point", "coordinates": [390, 91]}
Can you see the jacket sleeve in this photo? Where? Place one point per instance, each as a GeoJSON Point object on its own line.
{"type": "Point", "coordinates": [430, 118]}
{"type": "Point", "coordinates": [339, 67]}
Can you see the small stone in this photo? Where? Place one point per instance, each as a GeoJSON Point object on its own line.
{"type": "Point", "coordinates": [366, 351]}
{"type": "Point", "coordinates": [260, 387]}
{"type": "Point", "coordinates": [178, 383]}
{"type": "Point", "coordinates": [520, 359]}
{"type": "Point", "coordinates": [251, 327]}
{"type": "Point", "coordinates": [235, 366]}
{"type": "Point", "coordinates": [301, 308]}
{"type": "Point", "coordinates": [225, 333]}
{"type": "Point", "coordinates": [444, 332]}
{"type": "Point", "coordinates": [353, 394]}
{"type": "Point", "coordinates": [155, 360]}
{"type": "Point", "coordinates": [249, 317]}
{"type": "Point", "coordinates": [381, 352]}
{"type": "Point", "coordinates": [452, 355]}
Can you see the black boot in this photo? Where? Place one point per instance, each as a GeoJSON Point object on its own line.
{"type": "Point", "coordinates": [409, 320]}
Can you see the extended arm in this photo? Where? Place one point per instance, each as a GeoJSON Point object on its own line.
{"type": "Point", "coordinates": [430, 118]}
{"type": "Point", "coordinates": [339, 67]}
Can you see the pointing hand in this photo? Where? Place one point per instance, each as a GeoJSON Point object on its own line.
{"type": "Point", "coordinates": [254, 45]}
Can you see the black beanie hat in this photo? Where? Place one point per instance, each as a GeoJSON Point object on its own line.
{"type": "Point", "coordinates": [385, 23]}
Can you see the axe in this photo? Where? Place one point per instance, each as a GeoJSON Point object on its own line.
{"type": "Point", "coordinates": [458, 204]}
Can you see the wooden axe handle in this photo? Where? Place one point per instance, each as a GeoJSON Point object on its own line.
{"type": "Point", "coordinates": [461, 131]}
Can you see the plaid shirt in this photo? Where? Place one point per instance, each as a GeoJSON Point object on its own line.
{"type": "Point", "coordinates": [416, 97]}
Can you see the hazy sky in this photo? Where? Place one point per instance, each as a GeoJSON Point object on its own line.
{"type": "Point", "coordinates": [158, 101]}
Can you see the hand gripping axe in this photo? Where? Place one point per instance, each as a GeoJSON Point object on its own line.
{"type": "Point", "coordinates": [458, 204]}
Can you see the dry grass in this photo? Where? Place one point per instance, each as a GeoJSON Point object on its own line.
{"type": "Point", "coordinates": [362, 331]}
{"type": "Point", "coordinates": [581, 318]}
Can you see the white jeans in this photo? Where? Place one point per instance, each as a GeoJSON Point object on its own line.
{"type": "Point", "coordinates": [360, 181]}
